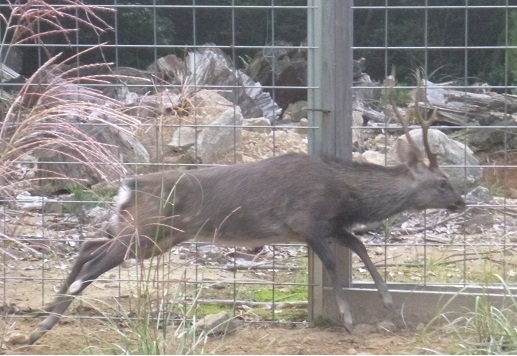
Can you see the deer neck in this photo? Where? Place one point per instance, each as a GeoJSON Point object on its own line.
{"type": "Point", "coordinates": [384, 192]}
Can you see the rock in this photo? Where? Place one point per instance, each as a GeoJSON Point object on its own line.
{"type": "Point", "coordinates": [219, 138]}
{"type": "Point", "coordinates": [282, 67]}
{"type": "Point", "coordinates": [99, 215]}
{"type": "Point", "coordinates": [386, 326]}
{"type": "Point", "coordinates": [28, 202]}
{"type": "Point", "coordinates": [295, 111]}
{"type": "Point", "coordinates": [219, 323]}
{"type": "Point", "coordinates": [478, 219]}
{"type": "Point", "coordinates": [170, 68]}
{"type": "Point", "coordinates": [183, 138]}
{"type": "Point", "coordinates": [157, 134]}
{"type": "Point", "coordinates": [450, 152]}
{"type": "Point", "coordinates": [303, 127]}
{"type": "Point", "coordinates": [259, 121]}
{"type": "Point", "coordinates": [58, 168]}
{"type": "Point", "coordinates": [479, 195]}
{"type": "Point", "coordinates": [212, 67]}
{"type": "Point", "coordinates": [128, 84]}
{"type": "Point", "coordinates": [374, 157]}
{"type": "Point", "coordinates": [357, 134]}
{"type": "Point", "coordinates": [152, 106]}
{"type": "Point", "coordinates": [17, 338]}
{"type": "Point", "coordinates": [207, 105]}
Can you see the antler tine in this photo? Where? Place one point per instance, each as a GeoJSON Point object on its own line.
{"type": "Point", "coordinates": [426, 124]}
{"type": "Point", "coordinates": [404, 121]}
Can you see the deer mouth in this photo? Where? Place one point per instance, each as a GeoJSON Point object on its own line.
{"type": "Point", "coordinates": [457, 206]}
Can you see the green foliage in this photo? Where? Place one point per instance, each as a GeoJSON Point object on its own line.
{"type": "Point", "coordinates": [512, 41]}
{"type": "Point", "coordinates": [203, 310]}
{"type": "Point", "coordinates": [292, 293]}
{"type": "Point", "coordinates": [153, 326]}
{"type": "Point", "coordinates": [88, 196]}
{"type": "Point", "coordinates": [143, 26]}
{"type": "Point", "coordinates": [323, 322]}
{"type": "Point", "coordinates": [404, 27]}
{"type": "Point", "coordinates": [487, 329]}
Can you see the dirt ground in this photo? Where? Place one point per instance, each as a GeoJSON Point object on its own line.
{"type": "Point", "coordinates": [92, 334]}
{"type": "Point", "coordinates": [84, 338]}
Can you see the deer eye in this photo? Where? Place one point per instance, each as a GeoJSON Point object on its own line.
{"type": "Point", "coordinates": [443, 184]}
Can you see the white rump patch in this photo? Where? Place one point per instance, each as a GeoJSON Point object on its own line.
{"type": "Point", "coordinates": [124, 195]}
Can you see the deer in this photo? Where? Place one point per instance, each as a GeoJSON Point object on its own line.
{"type": "Point", "coordinates": [294, 197]}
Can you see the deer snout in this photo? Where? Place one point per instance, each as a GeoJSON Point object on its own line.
{"type": "Point", "coordinates": [458, 205]}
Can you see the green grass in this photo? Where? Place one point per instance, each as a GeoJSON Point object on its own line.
{"type": "Point", "coordinates": [487, 329]}
{"type": "Point", "coordinates": [288, 293]}
{"type": "Point", "coordinates": [203, 309]}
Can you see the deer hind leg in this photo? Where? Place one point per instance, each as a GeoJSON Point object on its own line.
{"type": "Point", "coordinates": [86, 253]}
{"type": "Point", "coordinates": [95, 258]}
{"type": "Point", "coordinates": [324, 252]}
{"type": "Point", "coordinates": [350, 241]}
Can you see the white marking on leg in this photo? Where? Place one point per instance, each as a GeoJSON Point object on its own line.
{"type": "Point", "coordinates": [74, 287]}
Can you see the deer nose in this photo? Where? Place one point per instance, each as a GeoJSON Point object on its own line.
{"type": "Point", "coordinates": [459, 205]}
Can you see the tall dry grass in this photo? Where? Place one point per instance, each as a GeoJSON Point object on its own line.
{"type": "Point", "coordinates": [60, 108]}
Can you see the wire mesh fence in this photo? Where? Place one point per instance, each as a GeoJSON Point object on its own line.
{"type": "Point", "coordinates": [456, 58]}
{"type": "Point", "coordinates": [144, 88]}
{"type": "Point", "coordinates": [136, 88]}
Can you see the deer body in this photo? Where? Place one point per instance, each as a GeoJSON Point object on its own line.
{"type": "Point", "coordinates": [289, 198]}
{"type": "Point", "coordinates": [261, 203]}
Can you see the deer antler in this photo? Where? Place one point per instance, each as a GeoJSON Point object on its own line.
{"type": "Point", "coordinates": [426, 124]}
{"type": "Point", "coordinates": [389, 83]}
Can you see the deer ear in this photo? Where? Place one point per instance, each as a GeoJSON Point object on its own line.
{"type": "Point", "coordinates": [408, 153]}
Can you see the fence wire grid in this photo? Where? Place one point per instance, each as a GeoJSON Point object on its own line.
{"type": "Point", "coordinates": [204, 83]}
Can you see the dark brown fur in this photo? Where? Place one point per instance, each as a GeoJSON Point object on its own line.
{"type": "Point", "coordinates": [294, 197]}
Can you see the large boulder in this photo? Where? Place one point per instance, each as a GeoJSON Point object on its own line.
{"type": "Point", "coordinates": [206, 66]}
{"type": "Point", "coordinates": [450, 153]}
{"type": "Point", "coordinates": [219, 138]}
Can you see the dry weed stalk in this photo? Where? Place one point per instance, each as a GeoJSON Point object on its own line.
{"type": "Point", "coordinates": [55, 110]}
{"type": "Point", "coordinates": [35, 20]}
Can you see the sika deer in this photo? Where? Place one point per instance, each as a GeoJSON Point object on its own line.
{"type": "Point", "coordinates": [293, 197]}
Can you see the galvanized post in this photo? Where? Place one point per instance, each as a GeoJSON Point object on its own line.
{"type": "Point", "coordinates": [330, 103]}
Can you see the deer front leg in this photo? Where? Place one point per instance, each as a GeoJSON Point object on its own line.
{"type": "Point", "coordinates": [325, 254]}
{"type": "Point", "coordinates": [350, 241]}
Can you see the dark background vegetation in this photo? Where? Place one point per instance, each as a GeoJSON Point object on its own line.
{"type": "Point", "coordinates": [172, 28]}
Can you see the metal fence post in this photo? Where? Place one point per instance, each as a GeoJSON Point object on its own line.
{"type": "Point", "coordinates": [330, 25]}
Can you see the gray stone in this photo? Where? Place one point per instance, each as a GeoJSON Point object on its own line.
{"type": "Point", "coordinates": [259, 121]}
{"type": "Point", "coordinates": [17, 338]}
{"type": "Point", "coordinates": [183, 138]}
{"type": "Point", "coordinates": [219, 138]}
{"type": "Point", "coordinates": [303, 127]}
{"type": "Point", "coordinates": [386, 326]}
{"type": "Point", "coordinates": [296, 111]}
{"type": "Point", "coordinates": [449, 152]}
{"type": "Point", "coordinates": [374, 157]}
{"type": "Point", "coordinates": [219, 323]}
{"type": "Point", "coordinates": [479, 195]}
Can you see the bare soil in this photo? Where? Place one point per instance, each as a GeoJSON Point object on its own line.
{"type": "Point", "coordinates": [93, 336]}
